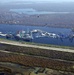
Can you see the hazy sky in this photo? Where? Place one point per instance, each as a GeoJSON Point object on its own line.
{"type": "Point", "coordinates": [39, 0]}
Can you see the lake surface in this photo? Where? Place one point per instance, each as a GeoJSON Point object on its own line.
{"type": "Point", "coordinates": [44, 40]}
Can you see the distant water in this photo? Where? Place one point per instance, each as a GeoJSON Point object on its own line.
{"type": "Point", "coordinates": [44, 40]}
{"type": "Point", "coordinates": [31, 11]}
{"type": "Point", "coordinates": [1, 73]}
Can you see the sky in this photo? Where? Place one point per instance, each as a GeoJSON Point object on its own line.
{"type": "Point", "coordinates": [38, 0]}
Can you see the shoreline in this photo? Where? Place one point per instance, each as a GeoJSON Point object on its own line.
{"type": "Point", "coordinates": [37, 44]}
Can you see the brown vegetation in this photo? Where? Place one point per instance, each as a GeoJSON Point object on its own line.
{"type": "Point", "coordinates": [39, 52]}
{"type": "Point", "coordinates": [36, 61]}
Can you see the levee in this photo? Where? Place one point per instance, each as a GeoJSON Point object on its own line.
{"type": "Point", "coordinates": [37, 56]}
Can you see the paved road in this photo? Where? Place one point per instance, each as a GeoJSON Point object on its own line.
{"type": "Point", "coordinates": [35, 46]}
